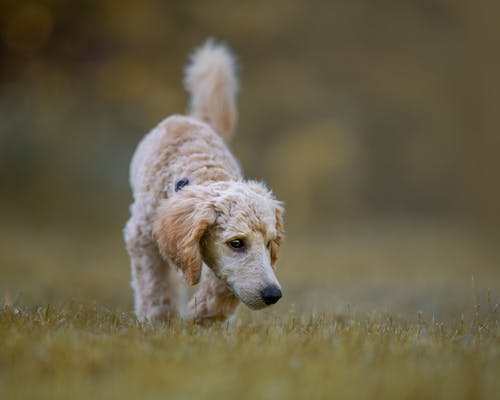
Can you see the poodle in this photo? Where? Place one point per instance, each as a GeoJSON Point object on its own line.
{"type": "Point", "coordinates": [193, 215]}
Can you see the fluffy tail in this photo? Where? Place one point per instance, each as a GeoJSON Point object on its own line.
{"type": "Point", "coordinates": [210, 78]}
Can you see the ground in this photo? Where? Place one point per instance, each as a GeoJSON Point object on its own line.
{"type": "Point", "coordinates": [383, 312]}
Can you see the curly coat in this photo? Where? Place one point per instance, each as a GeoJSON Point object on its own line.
{"type": "Point", "coordinates": [197, 227]}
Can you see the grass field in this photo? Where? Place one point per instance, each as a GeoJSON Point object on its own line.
{"type": "Point", "coordinates": [389, 313]}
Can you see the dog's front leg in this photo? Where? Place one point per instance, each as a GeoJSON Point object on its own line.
{"type": "Point", "coordinates": [153, 300]}
{"type": "Point", "coordinates": [213, 301]}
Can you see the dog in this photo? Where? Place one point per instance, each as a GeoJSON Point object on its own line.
{"type": "Point", "coordinates": [193, 212]}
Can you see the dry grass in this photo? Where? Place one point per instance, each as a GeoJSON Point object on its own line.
{"type": "Point", "coordinates": [81, 352]}
{"type": "Point", "coordinates": [92, 347]}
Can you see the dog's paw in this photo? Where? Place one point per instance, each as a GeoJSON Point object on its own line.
{"type": "Point", "coordinates": [158, 313]}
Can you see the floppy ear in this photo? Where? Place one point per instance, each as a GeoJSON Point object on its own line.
{"type": "Point", "coordinates": [181, 222]}
{"type": "Point", "coordinates": [276, 243]}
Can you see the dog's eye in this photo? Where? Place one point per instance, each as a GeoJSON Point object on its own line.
{"type": "Point", "coordinates": [236, 244]}
{"type": "Point", "coordinates": [268, 244]}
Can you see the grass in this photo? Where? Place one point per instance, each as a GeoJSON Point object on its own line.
{"type": "Point", "coordinates": [81, 351]}
{"type": "Point", "coordinates": [379, 315]}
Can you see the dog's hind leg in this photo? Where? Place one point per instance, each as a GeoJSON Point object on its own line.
{"type": "Point", "coordinates": [153, 299]}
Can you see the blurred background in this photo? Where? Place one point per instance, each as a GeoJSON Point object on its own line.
{"type": "Point", "coordinates": [377, 123]}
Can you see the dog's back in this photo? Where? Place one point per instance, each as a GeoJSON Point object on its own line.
{"type": "Point", "coordinates": [184, 146]}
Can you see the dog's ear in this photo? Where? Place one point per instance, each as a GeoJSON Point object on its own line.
{"type": "Point", "coordinates": [262, 190]}
{"type": "Point", "coordinates": [276, 243]}
{"type": "Point", "coordinates": [180, 224]}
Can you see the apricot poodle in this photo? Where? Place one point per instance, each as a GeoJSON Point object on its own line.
{"type": "Point", "coordinates": [193, 210]}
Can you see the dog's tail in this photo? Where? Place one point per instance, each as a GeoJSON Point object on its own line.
{"type": "Point", "coordinates": [210, 78]}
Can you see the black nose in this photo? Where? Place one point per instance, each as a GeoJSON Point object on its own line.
{"type": "Point", "coordinates": [270, 295]}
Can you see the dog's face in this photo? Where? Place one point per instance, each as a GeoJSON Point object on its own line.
{"type": "Point", "coordinates": [235, 228]}
{"type": "Point", "coordinates": [241, 247]}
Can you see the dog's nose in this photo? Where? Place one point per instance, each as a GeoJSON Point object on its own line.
{"type": "Point", "coordinates": [270, 295]}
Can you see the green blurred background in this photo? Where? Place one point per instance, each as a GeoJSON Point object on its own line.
{"type": "Point", "coordinates": [377, 123]}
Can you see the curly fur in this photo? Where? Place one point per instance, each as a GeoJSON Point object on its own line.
{"type": "Point", "coordinates": [190, 229]}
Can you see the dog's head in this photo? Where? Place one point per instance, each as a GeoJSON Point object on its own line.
{"type": "Point", "coordinates": [236, 228]}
